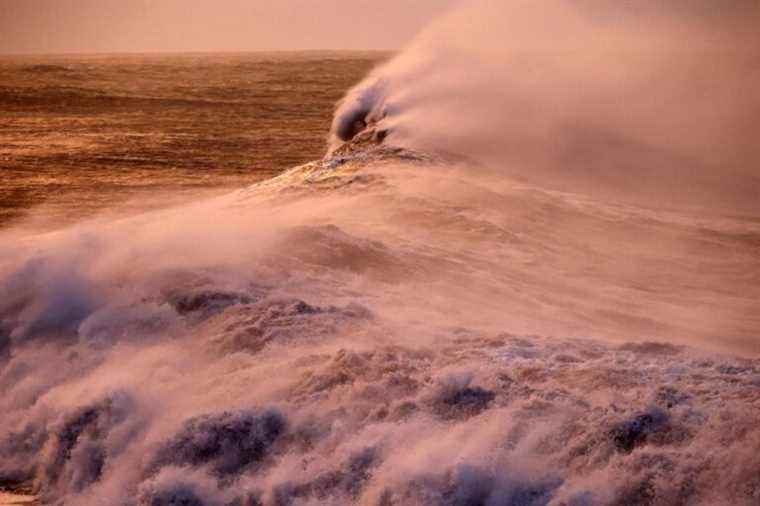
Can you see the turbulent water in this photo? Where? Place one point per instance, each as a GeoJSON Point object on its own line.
{"type": "Point", "coordinates": [406, 321]}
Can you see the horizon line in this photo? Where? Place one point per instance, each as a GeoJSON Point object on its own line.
{"type": "Point", "coordinates": [192, 52]}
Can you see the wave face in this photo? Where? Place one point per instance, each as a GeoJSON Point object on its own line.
{"type": "Point", "coordinates": [402, 322]}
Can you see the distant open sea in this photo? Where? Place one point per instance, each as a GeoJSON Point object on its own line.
{"type": "Point", "coordinates": [84, 133]}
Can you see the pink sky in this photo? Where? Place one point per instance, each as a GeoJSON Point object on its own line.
{"type": "Point", "coordinates": [54, 26]}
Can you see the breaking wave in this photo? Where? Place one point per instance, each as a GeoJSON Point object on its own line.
{"type": "Point", "coordinates": [414, 319]}
{"type": "Point", "coordinates": [651, 102]}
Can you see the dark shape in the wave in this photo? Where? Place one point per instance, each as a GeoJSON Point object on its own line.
{"type": "Point", "coordinates": [5, 346]}
{"type": "Point", "coordinates": [455, 402]}
{"type": "Point", "coordinates": [348, 480]}
{"type": "Point", "coordinates": [352, 124]}
{"type": "Point", "coordinates": [467, 485]}
{"type": "Point", "coordinates": [642, 493]}
{"type": "Point", "coordinates": [43, 298]}
{"type": "Point", "coordinates": [632, 433]}
{"type": "Point", "coordinates": [67, 440]}
{"type": "Point", "coordinates": [465, 403]}
{"type": "Point", "coordinates": [206, 300]}
{"type": "Point", "coordinates": [230, 442]}
{"type": "Point", "coordinates": [75, 454]}
{"type": "Point", "coordinates": [175, 495]}
{"type": "Point", "coordinates": [18, 453]}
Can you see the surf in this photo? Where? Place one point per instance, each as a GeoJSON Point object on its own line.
{"type": "Point", "coordinates": [415, 319]}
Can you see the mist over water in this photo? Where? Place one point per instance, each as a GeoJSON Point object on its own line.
{"type": "Point", "coordinates": [526, 273]}
{"type": "Point", "coordinates": [653, 102]}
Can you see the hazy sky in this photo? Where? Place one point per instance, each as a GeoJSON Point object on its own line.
{"type": "Point", "coordinates": [52, 26]}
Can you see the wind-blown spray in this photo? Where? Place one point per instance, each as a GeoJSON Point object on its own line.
{"type": "Point", "coordinates": [656, 102]}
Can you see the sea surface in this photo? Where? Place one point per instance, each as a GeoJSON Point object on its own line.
{"type": "Point", "coordinates": [79, 134]}
{"type": "Point", "coordinates": [421, 317]}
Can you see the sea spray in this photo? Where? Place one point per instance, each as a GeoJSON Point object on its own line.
{"type": "Point", "coordinates": [652, 103]}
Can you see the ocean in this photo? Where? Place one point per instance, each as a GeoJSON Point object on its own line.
{"type": "Point", "coordinates": [488, 271]}
{"type": "Point", "coordinates": [81, 134]}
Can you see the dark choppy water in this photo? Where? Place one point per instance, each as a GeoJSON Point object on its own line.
{"type": "Point", "coordinates": [81, 133]}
